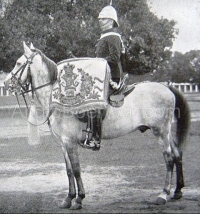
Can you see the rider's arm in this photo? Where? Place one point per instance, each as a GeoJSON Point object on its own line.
{"type": "Point", "coordinates": [114, 45]}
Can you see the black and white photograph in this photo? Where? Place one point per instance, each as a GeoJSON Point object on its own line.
{"type": "Point", "coordinates": [99, 106]}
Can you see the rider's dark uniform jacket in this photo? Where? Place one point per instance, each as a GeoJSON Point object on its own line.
{"type": "Point", "coordinates": [109, 48]}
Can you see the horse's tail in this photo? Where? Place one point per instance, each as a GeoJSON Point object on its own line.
{"type": "Point", "coordinates": [182, 114]}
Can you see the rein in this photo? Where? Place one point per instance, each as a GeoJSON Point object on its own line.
{"type": "Point", "coordinates": [35, 89]}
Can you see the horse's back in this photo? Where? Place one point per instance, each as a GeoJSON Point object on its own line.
{"type": "Point", "coordinates": [149, 104]}
{"type": "Point", "coordinates": [154, 103]}
{"type": "Point", "coordinates": [152, 94]}
{"type": "Point", "coordinates": [153, 87]}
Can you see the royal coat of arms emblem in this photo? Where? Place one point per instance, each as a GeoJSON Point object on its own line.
{"type": "Point", "coordinates": [82, 83]}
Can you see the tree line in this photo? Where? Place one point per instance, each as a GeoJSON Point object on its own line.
{"type": "Point", "coordinates": [58, 27]}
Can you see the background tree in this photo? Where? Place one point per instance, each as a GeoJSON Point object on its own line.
{"type": "Point", "coordinates": [60, 26]}
{"type": "Point", "coordinates": [179, 68]}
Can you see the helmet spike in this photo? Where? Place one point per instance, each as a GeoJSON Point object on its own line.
{"type": "Point", "coordinates": [110, 2]}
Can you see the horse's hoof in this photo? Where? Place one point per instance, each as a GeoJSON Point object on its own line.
{"type": "Point", "coordinates": [76, 206]}
{"type": "Point", "coordinates": [160, 201]}
{"type": "Point", "coordinates": [177, 195]}
{"type": "Point", "coordinates": [66, 204]}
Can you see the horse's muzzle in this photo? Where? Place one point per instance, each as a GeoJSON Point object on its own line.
{"type": "Point", "coordinates": [11, 84]}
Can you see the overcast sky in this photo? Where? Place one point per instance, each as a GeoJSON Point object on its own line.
{"type": "Point", "coordinates": [187, 15]}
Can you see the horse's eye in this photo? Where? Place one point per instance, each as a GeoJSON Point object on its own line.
{"type": "Point", "coordinates": [18, 63]}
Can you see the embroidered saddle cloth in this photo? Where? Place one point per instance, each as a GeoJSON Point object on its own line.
{"type": "Point", "coordinates": [82, 85]}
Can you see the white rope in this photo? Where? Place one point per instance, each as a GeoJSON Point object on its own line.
{"type": "Point", "coordinates": [110, 2]}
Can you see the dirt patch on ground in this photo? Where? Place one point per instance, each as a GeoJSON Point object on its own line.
{"type": "Point", "coordinates": [125, 176]}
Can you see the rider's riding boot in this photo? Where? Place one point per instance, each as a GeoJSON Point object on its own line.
{"type": "Point", "coordinates": [96, 120]}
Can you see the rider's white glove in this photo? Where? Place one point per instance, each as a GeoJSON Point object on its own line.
{"type": "Point", "coordinates": [114, 85]}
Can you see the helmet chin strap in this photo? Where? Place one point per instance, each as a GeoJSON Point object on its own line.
{"type": "Point", "coordinates": [107, 25]}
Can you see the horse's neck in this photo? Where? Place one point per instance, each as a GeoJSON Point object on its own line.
{"type": "Point", "coordinates": [41, 78]}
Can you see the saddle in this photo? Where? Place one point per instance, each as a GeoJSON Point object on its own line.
{"type": "Point", "coordinates": [116, 98]}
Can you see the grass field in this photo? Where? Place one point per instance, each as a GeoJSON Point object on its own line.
{"type": "Point", "coordinates": [125, 176]}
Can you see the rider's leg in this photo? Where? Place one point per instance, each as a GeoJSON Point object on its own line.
{"type": "Point", "coordinates": [96, 120]}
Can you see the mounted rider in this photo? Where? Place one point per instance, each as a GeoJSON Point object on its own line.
{"type": "Point", "coordinates": [110, 44]}
{"type": "Point", "coordinates": [109, 47]}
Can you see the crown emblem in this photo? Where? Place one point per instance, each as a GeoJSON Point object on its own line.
{"type": "Point", "coordinates": [69, 69]}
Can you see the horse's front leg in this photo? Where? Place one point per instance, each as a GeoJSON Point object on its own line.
{"type": "Point", "coordinates": [77, 174]}
{"type": "Point", "coordinates": [67, 202]}
{"type": "Point", "coordinates": [71, 156]}
{"type": "Point", "coordinates": [74, 157]}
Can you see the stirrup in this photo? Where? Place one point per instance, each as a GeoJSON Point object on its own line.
{"type": "Point", "coordinates": [122, 85]}
{"type": "Point", "coordinates": [88, 145]}
{"type": "Point", "coordinates": [94, 144]}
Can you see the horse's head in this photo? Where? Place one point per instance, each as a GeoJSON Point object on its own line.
{"type": "Point", "coordinates": [19, 76]}
{"type": "Point", "coordinates": [29, 69]}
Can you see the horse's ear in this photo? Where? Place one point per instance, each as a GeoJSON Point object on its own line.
{"type": "Point", "coordinates": [27, 50]}
{"type": "Point", "coordinates": [32, 47]}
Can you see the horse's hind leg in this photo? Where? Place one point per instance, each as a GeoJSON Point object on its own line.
{"type": "Point", "coordinates": [162, 198]}
{"type": "Point", "coordinates": [169, 160]}
{"type": "Point", "coordinates": [179, 171]}
{"type": "Point", "coordinates": [179, 179]}
{"type": "Point", "coordinates": [172, 155]}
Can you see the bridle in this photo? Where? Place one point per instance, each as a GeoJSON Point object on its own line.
{"type": "Point", "coordinates": [17, 87]}
{"type": "Point", "coordinates": [16, 82]}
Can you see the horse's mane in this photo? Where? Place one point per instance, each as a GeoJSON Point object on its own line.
{"type": "Point", "coordinates": [51, 65]}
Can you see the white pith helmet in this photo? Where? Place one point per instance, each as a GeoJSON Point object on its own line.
{"type": "Point", "coordinates": [109, 12]}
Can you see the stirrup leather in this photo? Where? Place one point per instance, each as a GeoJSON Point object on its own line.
{"type": "Point", "coordinates": [93, 132]}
